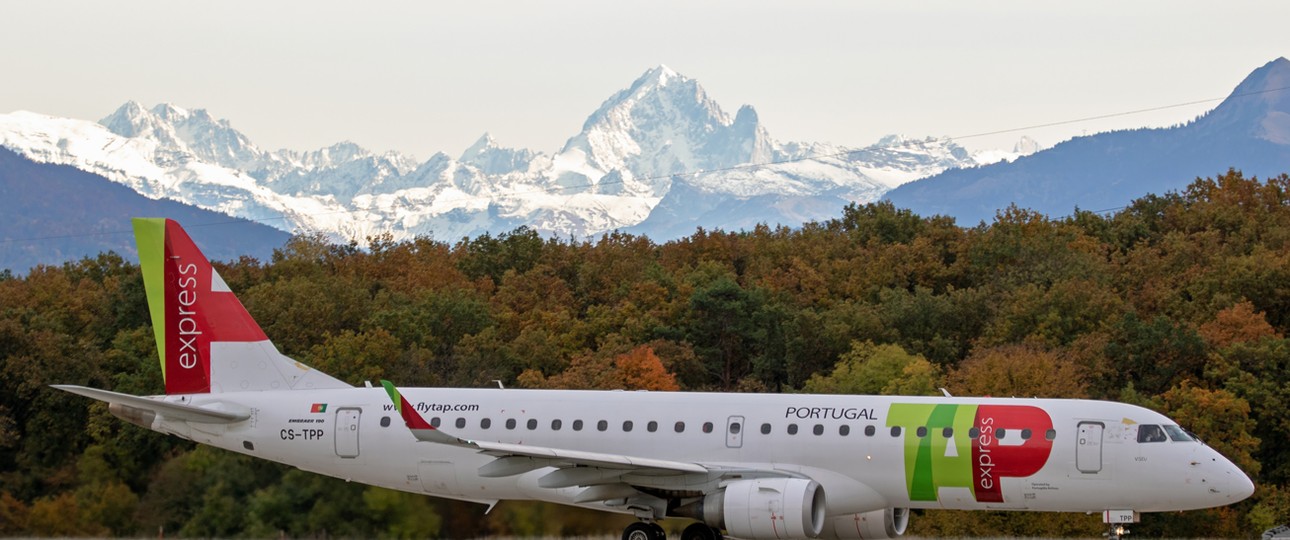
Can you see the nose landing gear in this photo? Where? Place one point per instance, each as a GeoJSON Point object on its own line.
{"type": "Point", "coordinates": [1116, 521]}
{"type": "Point", "coordinates": [1116, 532]}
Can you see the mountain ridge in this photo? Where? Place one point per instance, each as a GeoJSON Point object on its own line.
{"type": "Point", "coordinates": [1108, 170]}
{"type": "Point", "coordinates": [58, 213]}
{"type": "Point", "coordinates": [611, 175]}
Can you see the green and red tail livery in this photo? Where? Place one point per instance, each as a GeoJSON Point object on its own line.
{"type": "Point", "coordinates": [191, 306]}
{"type": "Point", "coordinates": [409, 413]}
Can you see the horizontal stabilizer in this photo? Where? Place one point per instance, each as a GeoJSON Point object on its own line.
{"type": "Point", "coordinates": [169, 410]}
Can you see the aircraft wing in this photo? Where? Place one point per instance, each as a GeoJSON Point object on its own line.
{"type": "Point", "coordinates": [605, 476]}
{"type": "Point", "coordinates": [579, 458]}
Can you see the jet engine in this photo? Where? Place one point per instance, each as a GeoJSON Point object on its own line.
{"type": "Point", "coordinates": [887, 523]}
{"type": "Point", "coordinates": [763, 508]}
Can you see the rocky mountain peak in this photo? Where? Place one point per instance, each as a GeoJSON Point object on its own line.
{"type": "Point", "coordinates": [663, 124]}
{"type": "Point", "coordinates": [1259, 106]}
{"type": "Point", "coordinates": [491, 159]}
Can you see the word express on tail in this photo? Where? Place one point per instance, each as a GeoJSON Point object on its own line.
{"type": "Point", "coordinates": [206, 340]}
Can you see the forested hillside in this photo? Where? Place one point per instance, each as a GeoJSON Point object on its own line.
{"type": "Point", "coordinates": [1180, 302]}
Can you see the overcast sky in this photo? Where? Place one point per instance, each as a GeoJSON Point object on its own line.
{"type": "Point", "coordinates": [421, 77]}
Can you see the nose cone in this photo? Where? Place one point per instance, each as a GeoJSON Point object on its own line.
{"type": "Point", "coordinates": [1236, 485]}
{"type": "Point", "coordinates": [1239, 486]}
{"type": "Point", "coordinates": [1216, 480]}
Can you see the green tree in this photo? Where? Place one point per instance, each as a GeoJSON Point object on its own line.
{"type": "Point", "coordinates": [878, 370]}
{"type": "Point", "coordinates": [724, 321]}
{"type": "Point", "coordinates": [1155, 354]}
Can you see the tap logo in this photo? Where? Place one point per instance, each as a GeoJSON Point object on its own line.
{"type": "Point", "coordinates": [971, 446]}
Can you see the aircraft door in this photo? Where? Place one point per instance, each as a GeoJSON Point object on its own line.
{"type": "Point", "coordinates": [347, 432]}
{"type": "Point", "coordinates": [1088, 452]}
{"type": "Point", "coordinates": [735, 432]}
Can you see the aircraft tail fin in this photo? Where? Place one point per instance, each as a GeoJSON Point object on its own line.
{"type": "Point", "coordinates": [206, 340]}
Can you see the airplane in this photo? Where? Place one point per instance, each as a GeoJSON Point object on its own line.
{"type": "Point", "coordinates": [751, 466]}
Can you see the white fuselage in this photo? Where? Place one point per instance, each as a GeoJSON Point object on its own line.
{"type": "Point", "coordinates": [1091, 460]}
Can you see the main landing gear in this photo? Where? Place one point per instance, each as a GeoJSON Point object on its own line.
{"type": "Point", "coordinates": [643, 530]}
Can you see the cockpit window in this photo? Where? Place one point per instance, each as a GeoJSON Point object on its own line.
{"type": "Point", "coordinates": [1149, 433]}
{"type": "Point", "coordinates": [1177, 434]}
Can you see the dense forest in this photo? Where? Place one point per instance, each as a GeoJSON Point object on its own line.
{"type": "Point", "coordinates": [1179, 302]}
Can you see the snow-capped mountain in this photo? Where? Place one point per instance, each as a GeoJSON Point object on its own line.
{"type": "Point", "coordinates": [663, 125]}
{"type": "Point", "coordinates": [659, 156]}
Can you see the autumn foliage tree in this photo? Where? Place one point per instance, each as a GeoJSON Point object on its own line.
{"type": "Point", "coordinates": [1179, 302]}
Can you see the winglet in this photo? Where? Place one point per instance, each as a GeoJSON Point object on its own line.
{"type": "Point", "coordinates": [420, 428]}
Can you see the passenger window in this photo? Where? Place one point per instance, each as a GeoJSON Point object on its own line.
{"type": "Point", "coordinates": [602, 425]}
{"type": "Point", "coordinates": [556, 425]}
{"type": "Point", "coordinates": [869, 431]}
{"type": "Point", "coordinates": [735, 428]}
{"type": "Point", "coordinates": [627, 425]}
{"type": "Point", "coordinates": [461, 423]}
{"type": "Point", "coordinates": [707, 427]}
{"type": "Point", "coordinates": [577, 425]}
{"type": "Point", "coordinates": [652, 426]}
{"type": "Point", "coordinates": [1000, 433]}
{"type": "Point", "coordinates": [921, 431]}
{"type": "Point", "coordinates": [485, 423]}
{"type": "Point", "coordinates": [819, 429]}
{"type": "Point", "coordinates": [385, 421]}
{"type": "Point", "coordinates": [679, 427]}
{"type": "Point", "coordinates": [510, 423]}
{"type": "Point", "coordinates": [844, 430]}
{"type": "Point", "coordinates": [434, 422]}
{"type": "Point", "coordinates": [765, 429]}
{"type": "Point", "coordinates": [895, 431]}
{"type": "Point", "coordinates": [974, 433]}
{"type": "Point", "coordinates": [1050, 434]}
{"type": "Point", "coordinates": [1025, 434]}
{"type": "Point", "coordinates": [947, 432]}
{"type": "Point", "coordinates": [792, 429]}
{"type": "Point", "coordinates": [1150, 433]}
{"type": "Point", "coordinates": [532, 423]}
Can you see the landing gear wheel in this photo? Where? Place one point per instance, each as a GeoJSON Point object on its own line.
{"type": "Point", "coordinates": [1117, 532]}
{"type": "Point", "coordinates": [700, 531]}
{"type": "Point", "coordinates": [644, 531]}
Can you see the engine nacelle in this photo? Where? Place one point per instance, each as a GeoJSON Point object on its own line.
{"type": "Point", "coordinates": [888, 523]}
{"type": "Point", "coordinates": [763, 508]}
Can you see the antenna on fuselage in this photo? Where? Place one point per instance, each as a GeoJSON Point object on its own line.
{"type": "Point", "coordinates": [946, 392]}
{"type": "Point", "coordinates": [499, 383]}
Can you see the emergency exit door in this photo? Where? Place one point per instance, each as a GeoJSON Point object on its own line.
{"type": "Point", "coordinates": [735, 432]}
{"type": "Point", "coordinates": [347, 432]}
{"type": "Point", "coordinates": [1088, 453]}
